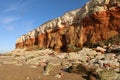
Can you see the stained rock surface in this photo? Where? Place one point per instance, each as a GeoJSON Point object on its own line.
{"type": "Point", "coordinates": [97, 20]}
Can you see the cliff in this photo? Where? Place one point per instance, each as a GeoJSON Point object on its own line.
{"type": "Point", "coordinates": [96, 21]}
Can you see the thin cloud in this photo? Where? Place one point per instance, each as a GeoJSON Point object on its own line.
{"type": "Point", "coordinates": [7, 20]}
{"type": "Point", "coordinates": [11, 8]}
{"type": "Point", "coordinates": [29, 25]}
{"type": "Point", "coordinates": [16, 6]}
{"type": "Point", "coordinates": [10, 28]}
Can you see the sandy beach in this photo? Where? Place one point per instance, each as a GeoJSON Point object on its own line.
{"type": "Point", "coordinates": [25, 72]}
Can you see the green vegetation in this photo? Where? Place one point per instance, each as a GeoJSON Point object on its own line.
{"type": "Point", "coordinates": [6, 54]}
{"type": "Point", "coordinates": [109, 75]}
{"type": "Point", "coordinates": [112, 40]}
{"type": "Point", "coordinates": [85, 71]}
{"type": "Point", "coordinates": [79, 69]}
{"type": "Point", "coordinates": [35, 48]}
{"type": "Point", "coordinates": [72, 48]}
{"type": "Point", "coordinates": [91, 73]}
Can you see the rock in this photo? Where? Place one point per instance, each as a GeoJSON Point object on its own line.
{"type": "Point", "coordinates": [47, 69]}
{"type": "Point", "coordinates": [110, 56]}
{"type": "Point", "coordinates": [117, 70]}
{"type": "Point", "coordinates": [79, 69]}
{"type": "Point", "coordinates": [91, 77]}
{"type": "Point", "coordinates": [42, 63]}
{"type": "Point", "coordinates": [114, 48]}
{"type": "Point", "coordinates": [65, 63]}
{"type": "Point", "coordinates": [88, 52]}
{"type": "Point", "coordinates": [38, 60]}
{"type": "Point", "coordinates": [39, 77]}
{"type": "Point", "coordinates": [18, 64]}
{"type": "Point", "coordinates": [100, 49]}
{"type": "Point", "coordinates": [89, 72]}
{"type": "Point", "coordinates": [72, 56]}
{"type": "Point", "coordinates": [61, 55]}
{"type": "Point", "coordinates": [33, 66]}
{"type": "Point", "coordinates": [100, 57]}
{"type": "Point", "coordinates": [97, 20]}
{"type": "Point", "coordinates": [8, 62]}
{"type": "Point", "coordinates": [109, 75]}
{"type": "Point", "coordinates": [59, 75]}
{"type": "Point", "coordinates": [28, 78]}
{"type": "Point", "coordinates": [55, 62]}
{"type": "Point", "coordinates": [45, 73]}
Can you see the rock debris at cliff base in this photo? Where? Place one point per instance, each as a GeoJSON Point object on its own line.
{"type": "Point", "coordinates": [87, 60]}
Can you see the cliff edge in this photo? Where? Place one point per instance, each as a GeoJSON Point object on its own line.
{"type": "Point", "coordinates": [96, 21]}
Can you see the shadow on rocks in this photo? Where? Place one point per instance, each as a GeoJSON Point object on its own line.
{"type": "Point", "coordinates": [84, 71]}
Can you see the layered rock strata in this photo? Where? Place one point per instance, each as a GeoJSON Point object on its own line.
{"type": "Point", "coordinates": [97, 20]}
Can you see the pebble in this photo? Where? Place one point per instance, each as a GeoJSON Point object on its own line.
{"type": "Point", "coordinates": [18, 64]}
{"type": "Point", "coordinates": [28, 78]}
{"type": "Point", "coordinates": [59, 75]}
{"type": "Point", "coordinates": [7, 62]}
{"type": "Point", "coordinates": [33, 66]}
{"type": "Point", "coordinates": [39, 77]}
{"type": "Point", "coordinates": [45, 73]}
{"type": "Point", "coordinates": [100, 49]}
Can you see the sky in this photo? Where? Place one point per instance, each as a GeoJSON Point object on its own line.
{"type": "Point", "coordinates": [17, 17]}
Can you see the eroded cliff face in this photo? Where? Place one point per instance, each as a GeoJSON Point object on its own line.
{"type": "Point", "coordinates": [97, 20]}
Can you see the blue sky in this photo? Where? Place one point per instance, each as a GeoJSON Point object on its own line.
{"type": "Point", "coordinates": [17, 17]}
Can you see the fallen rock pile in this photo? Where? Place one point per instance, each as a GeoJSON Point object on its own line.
{"type": "Point", "coordinates": [86, 56]}
{"type": "Point", "coordinates": [48, 58]}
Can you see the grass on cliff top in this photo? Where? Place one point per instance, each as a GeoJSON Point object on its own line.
{"type": "Point", "coordinates": [73, 48]}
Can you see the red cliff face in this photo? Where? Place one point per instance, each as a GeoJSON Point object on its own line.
{"type": "Point", "coordinates": [101, 25]}
{"type": "Point", "coordinates": [90, 24]}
